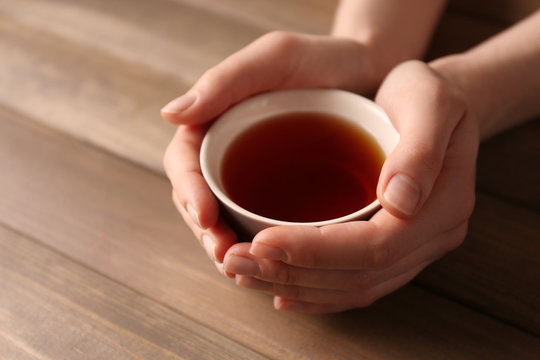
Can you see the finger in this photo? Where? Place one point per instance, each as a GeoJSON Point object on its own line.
{"type": "Point", "coordinates": [347, 299]}
{"type": "Point", "coordinates": [451, 201]}
{"type": "Point", "coordinates": [412, 95]}
{"type": "Point", "coordinates": [313, 295]}
{"type": "Point", "coordinates": [299, 304]}
{"type": "Point", "coordinates": [215, 240]}
{"type": "Point", "coordinates": [357, 245]}
{"type": "Point", "coordinates": [181, 162]}
{"type": "Point", "coordinates": [277, 60]}
{"type": "Point", "coordinates": [239, 261]}
{"type": "Point", "coordinates": [348, 246]}
{"type": "Point", "coordinates": [307, 299]}
{"type": "Point", "coordinates": [365, 245]}
{"type": "Point", "coordinates": [317, 300]}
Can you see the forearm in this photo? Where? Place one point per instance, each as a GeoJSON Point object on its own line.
{"type": "Point", "coordinates": [500, 78]}
{"type": "Point", "coordinates": [392, 30]}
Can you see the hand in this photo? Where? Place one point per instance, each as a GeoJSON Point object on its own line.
{"type": "Point", "coordinates": [275, 61]}
{"type": "Point", "coordinates": [427, 192]}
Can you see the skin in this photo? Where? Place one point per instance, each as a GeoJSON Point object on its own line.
{"type": "Point", "coordinates": [426, 187]}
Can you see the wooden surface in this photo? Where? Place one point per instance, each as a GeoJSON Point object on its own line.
{"type": "Point", "coordinates": [96, 264]}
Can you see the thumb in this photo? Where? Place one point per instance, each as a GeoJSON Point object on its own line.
{"type": "Point", "coordinates": [425, 112]}
{"type": "Point", "coordinates": [265, 64]}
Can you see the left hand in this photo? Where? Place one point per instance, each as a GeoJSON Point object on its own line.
{"type": "Point", "coordinates": [425, 210]}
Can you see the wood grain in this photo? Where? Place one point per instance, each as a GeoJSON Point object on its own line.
{"type": "Point", "coordinates": [116, 218]}
{"type": "Point", "coordinates": [53, 308]}
{"type": "Point", "coordinates": [508, 166]}
{"type": "Point", "coordinates": [114, 64]}
{"type": "Point", "coordinates": [166, 37]}
{"type": "Point", "coordinates": [117, 109]}
{"type": "Point", "coordinates": [117, 63]}
{"type": "Point", "coordinates": [96, 263]}
{"type": "Point", "coordinates": [496, 268]}
{"type": "Point", "coordinates": [310, 16]}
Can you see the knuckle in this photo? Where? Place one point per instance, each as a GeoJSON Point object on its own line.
{"type": "Point", "coordinates": [214, 75]}
{"type": "Point", "coordinates": [440, 92]}
{"type": "Point", "coordinates": [379, 255]}
{"type": "Point", "coordinates": [279, 39]}
{"type": "Point", "coordinates": [445, 98]}
{"type": "Point", "coordinates": [361, 280]}
{"type": "Point", "coordinates": [427, 156]}
{"type": "Point", "coordinates": [313, 259]}
{"type": "Point", "coordinates": [283, 274]}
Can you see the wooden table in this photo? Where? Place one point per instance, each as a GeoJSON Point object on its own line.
{"type": "Point", "coordinates": [95, 263]}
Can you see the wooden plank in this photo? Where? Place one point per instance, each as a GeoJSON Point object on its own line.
{"type": "Point", "coordinates": [171, 38]}
{"type": "Point", "coordinates": [53, 308]}
{"type": "Point", "coordinates": [116, 218]}
{"type": "Point", "coordinates": [496, 268]}
{"type": "Point", "coordinates": [114, 64]}
{"type": "Point", "coordinates": [104, 100]}
{"type": "Point", "coordinates": [310, 16]}
{"type": "Point", "coordinates": [508, 165]}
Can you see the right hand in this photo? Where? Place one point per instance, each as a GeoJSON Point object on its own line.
{"type": "Point", "coordinates": [347, 265]}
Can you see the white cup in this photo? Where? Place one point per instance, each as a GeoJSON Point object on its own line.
{"type": "Point", "coordinates": [345, 105]}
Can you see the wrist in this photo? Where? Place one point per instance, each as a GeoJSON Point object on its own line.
{"type": "Point", "coordinates": [371, 62]}
{"type": "Point", "coordinates": [363, 73]}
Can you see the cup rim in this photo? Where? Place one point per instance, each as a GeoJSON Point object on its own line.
{"type": "Point", "coordinates": [226, 117]}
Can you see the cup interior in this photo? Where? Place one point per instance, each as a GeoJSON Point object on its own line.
{"type": "Point", "coordinates": [345, 105]}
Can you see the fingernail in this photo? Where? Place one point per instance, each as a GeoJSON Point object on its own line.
{"type": "Point", "coordinates": [219, 268]}
{"type": "Point", "coordinates": [403, 193]}
{"type": "Point", "coordinates": [193, 214]}
{"type": "Point", "coordinates": [210, 247]}
{"type": "Point", "coordinates": [242, 266]}
{"type": "Point", "coordinates": [180, 104]}
{"type": "Point", "coordinates": [287, 305]}
{"type": "Point", "coordinates": [253, 283]}
{"type": "Point", "coordinates": [268, 252]}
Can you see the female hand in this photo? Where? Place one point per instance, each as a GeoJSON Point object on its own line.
{"type": "Point", "coordinates": [275, 61]}
{"type": "Point", "coordinates": [427, 192]}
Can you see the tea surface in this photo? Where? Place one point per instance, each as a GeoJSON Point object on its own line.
{"type": "Point", "coordinates": [302, 167]}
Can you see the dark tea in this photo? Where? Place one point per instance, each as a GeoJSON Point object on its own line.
{"type": "Point", "coordinates": [302, 167]}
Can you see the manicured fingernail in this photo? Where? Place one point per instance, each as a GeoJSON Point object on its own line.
{"type": "Point", "coordinates": [403, 193]}
{"type": "Point", "coordinates": [242, 266]}
{"type": "Point", "coordinates": [180, 104]}
{"type": "Point", "coordinates": [210, 247]}
{"type": "Point", "coordinates": [193, 214]}
{"type": "Point", "coordinates": [268, 252]}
